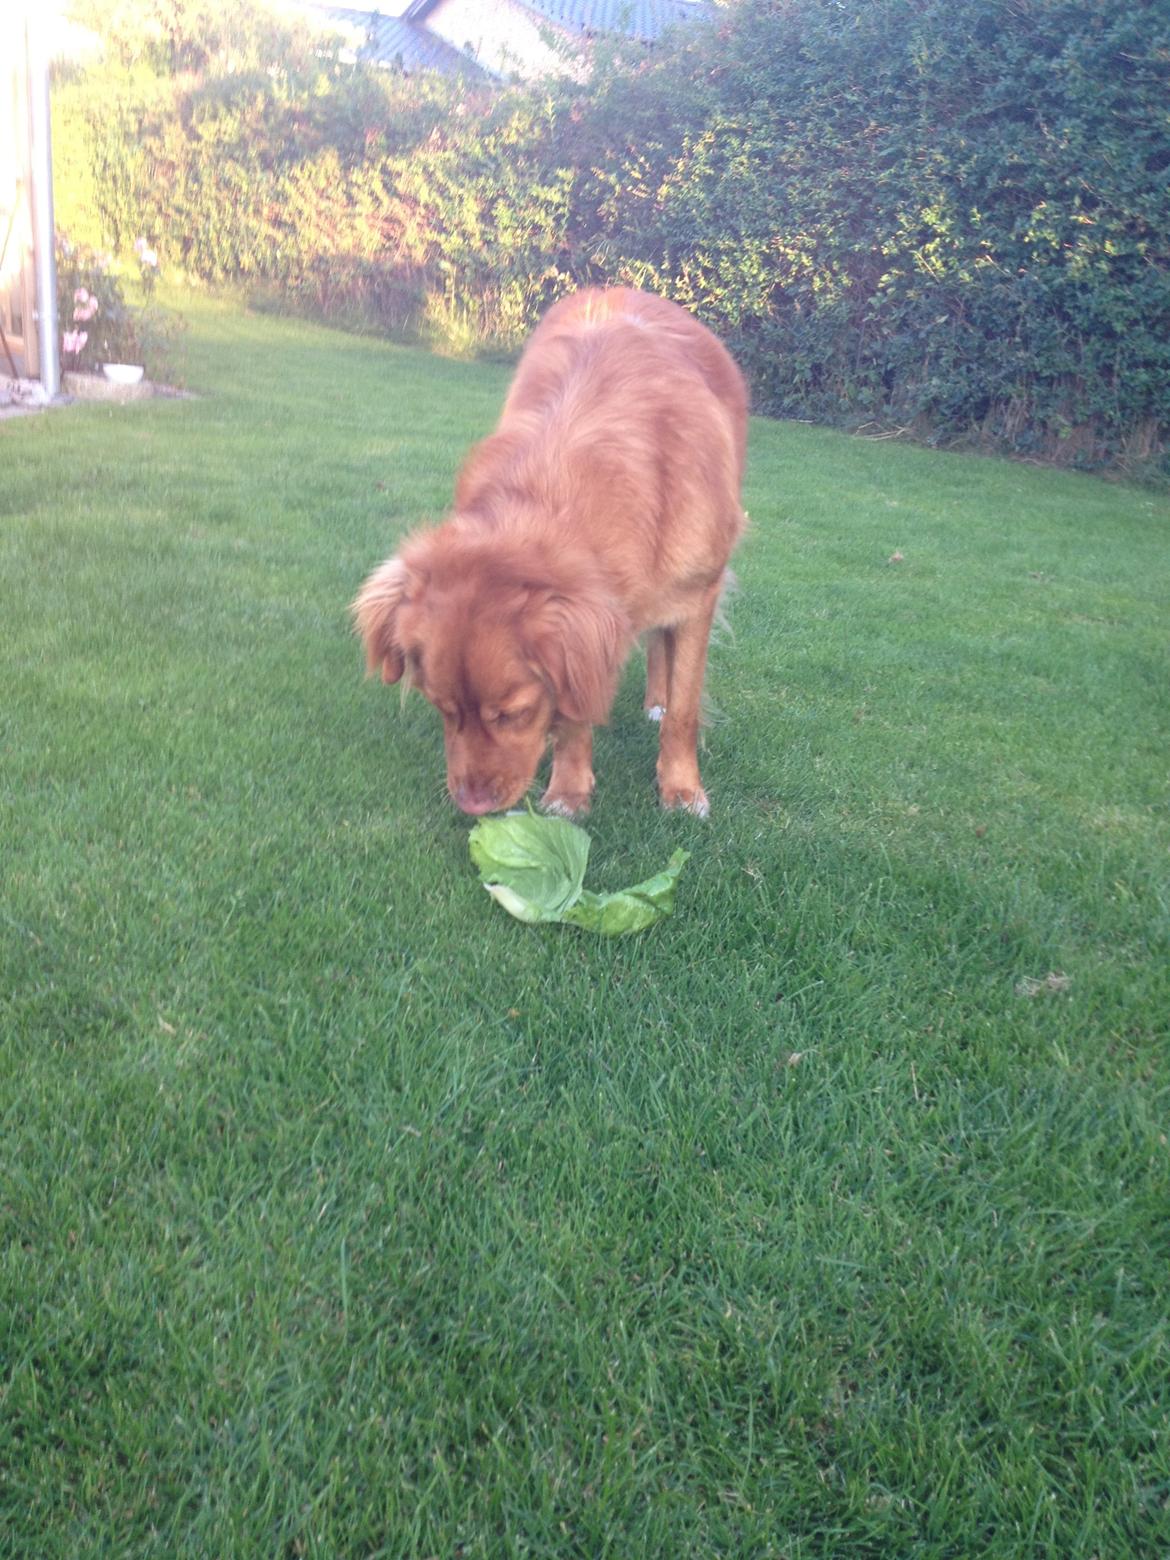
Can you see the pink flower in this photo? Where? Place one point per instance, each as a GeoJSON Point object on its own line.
{"type": "Point", "coordinates": [146, 255]}
{"type": "Point", "coordinates": [74, 340]}
{"type": "Point", "coordinates": [81, 295]}
{"type": "Point", "coordinates": [87, 309]}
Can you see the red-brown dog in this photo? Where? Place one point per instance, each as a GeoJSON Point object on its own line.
{"type": "Point", "coordinates": [605, 506]}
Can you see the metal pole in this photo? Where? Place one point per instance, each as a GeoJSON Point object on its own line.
{"type": "Point", "coordinates": [41, 163]}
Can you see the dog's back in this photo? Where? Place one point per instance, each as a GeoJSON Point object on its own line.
{"type": "Point", "coordinates": [646, 324]}
{"type": "Point", "coordinates": [624, 433]}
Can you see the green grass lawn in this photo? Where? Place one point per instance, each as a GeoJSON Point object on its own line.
{"type": "Point", "coordinates": [342, 1215]}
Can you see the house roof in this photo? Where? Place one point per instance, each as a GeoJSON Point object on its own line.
{"type": "Point", "coordinates": [407, 41]}
{"type": "Point", "coordinates": [646, 20]}
{"type": "Point", "coordinates": [393, 41]}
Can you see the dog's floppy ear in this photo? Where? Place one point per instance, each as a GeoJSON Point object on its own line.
{"type": "Point", "coordinates": [375, 614]}
{"type": "Point", "coordinates": [579, 644]}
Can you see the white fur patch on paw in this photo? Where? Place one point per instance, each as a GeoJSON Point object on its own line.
{"type": "Point", "coordinates": [565, 807]}
{"type": "Point", "coordinates": [693, 802]}
{"type": "Point", "coordinates": [655, 712]}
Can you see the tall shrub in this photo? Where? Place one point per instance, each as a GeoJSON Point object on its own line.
{"type": "Point", "coordinates": [953, 219]}
{"type": "Point", "coordinates": [482, 206]}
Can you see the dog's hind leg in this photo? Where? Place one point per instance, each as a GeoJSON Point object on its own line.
{"type": "Point", "coordinates": [658, 651]}
{"type": "Point", "coordinates": [679, 784]}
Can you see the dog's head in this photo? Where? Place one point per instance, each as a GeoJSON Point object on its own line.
{"type": "Point", "coordinates": [503, 642]}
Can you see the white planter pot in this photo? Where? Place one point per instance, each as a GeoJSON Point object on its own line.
{"type": "Point", "coordinates": [123, 373]}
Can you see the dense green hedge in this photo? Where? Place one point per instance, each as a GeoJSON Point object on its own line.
{"type": "Point", "coordinates": [953, 219]}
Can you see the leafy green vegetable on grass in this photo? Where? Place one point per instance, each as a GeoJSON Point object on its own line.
{"type": "Point", "coordinates": [535, 868]}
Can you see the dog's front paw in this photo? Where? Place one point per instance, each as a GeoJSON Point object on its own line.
{"type": "Point", "coordinates": [692, 799]}
{"type": "Point", "coordinates": [565, 804]}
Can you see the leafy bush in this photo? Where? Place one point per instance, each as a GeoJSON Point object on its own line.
{"type": "Point", "coordinates": [907, 214]}
{"type": "Point", "coordinates": [482, 209]}
{"type": "Point", "coordinates": [97, 323]}
{"type": "Point", "coordinates": [950, 219]}
{"type": "Point", "coordinates": [250, 175]}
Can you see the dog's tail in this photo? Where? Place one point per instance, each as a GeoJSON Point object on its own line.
{"type": "Point", "coordinates": [721, 627]}
{"type": "Point", "coordinates": [722, 633]}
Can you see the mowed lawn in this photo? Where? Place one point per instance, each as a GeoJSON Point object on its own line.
{"type": "Point", "coordinates": [341, 1215]}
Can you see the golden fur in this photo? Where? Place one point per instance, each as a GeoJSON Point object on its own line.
{"type": "Point", "coordinates": [604, 507]}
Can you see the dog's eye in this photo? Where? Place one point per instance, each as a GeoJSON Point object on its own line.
{"type": "Point", "coordinates": [510, 717]}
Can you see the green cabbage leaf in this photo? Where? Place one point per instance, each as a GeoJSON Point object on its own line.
{"type": "Point", "coordinates": [535, 868]}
